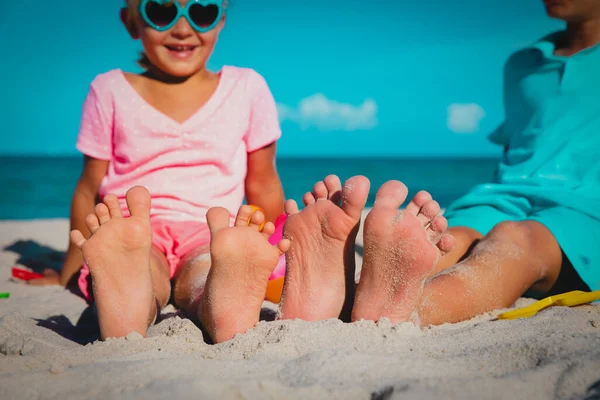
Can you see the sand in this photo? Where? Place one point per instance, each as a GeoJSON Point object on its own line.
{"type": "Point", "coordinates": [554, 355]}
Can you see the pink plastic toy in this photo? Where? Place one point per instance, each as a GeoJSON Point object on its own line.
{"type": "Point", "coordinates": [279, 270]}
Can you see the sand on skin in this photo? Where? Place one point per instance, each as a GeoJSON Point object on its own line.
{"type": "Point", "coordinates": [553, 355]}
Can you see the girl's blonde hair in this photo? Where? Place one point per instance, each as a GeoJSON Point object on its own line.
{"type": "Point", "coordinates": [132, 15]}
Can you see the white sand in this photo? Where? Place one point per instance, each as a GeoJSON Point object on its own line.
{"type": "Point", "coordinates": [554, 355]}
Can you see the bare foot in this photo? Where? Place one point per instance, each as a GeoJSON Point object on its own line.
{"type": "Point", "coordinates": [319, 282]}
{"type": "Point", "coordinates": [118, 256]}
{"type": "Point", "coordinates": [401, 249]}
{"type": "Point", "coordinates": [242, 260]}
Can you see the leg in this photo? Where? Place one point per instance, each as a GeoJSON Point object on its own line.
{"type": "Point", "coordinates": [401, 249]}
{"type": "Point", "coordinates": [226, 295]}
{"type": "Point", "coordinates": [190, 280]}
{"type": "Point", "coordinates": [469, 224]}
{"type": "Point", "coordinates": [319, 281]}
{"type": "Point", "coordinates": [512, 258]}
{"type": "Point", "coordinates": [161, 283]}
{"type": "Point", "coordinates": [465, 240]}
{"type": "Point", "coordinates": [579, 235]}
{"type": "Point", "coordinates": [119, 257]}
{"type": "Point", "coordinates": [568, 280]}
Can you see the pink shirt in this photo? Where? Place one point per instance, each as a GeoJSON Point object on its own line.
{"type": "Point", "coordinates": [187, 167]}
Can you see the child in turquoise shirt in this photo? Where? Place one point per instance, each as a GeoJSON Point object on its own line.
{"type": "Point", "coordinates": [535, 227]}
{"type": "Point", "coordinates": [550, 172]}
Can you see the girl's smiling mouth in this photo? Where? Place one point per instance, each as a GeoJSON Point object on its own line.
{"type": "Point", "coordinates": [181, 51]}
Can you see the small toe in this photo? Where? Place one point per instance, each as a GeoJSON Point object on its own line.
{"type": "Point", "coordinates": [77, 238]}
{"type": "Point", "coordinates": [102, 213]}
{"type": "Point", "coordinates": [320, 191]}
{"type": "Point", "coordinates": [308, 199]}
{"type": "Point", "coordinates": [334, 188]}
{"type": "Point", "coordinates": [418, 201]}
{"type": "Point", "coordinates": [291, 207]}
{"type": "Point", "coordinates": [92, 223]}
{"type": "Point", "coordinates": [243, 215]}
{"type": "Point", "coordinates": [446, 243]}
{"type": "Point", "coordinates": [428, 212]}
{"type": "Point", "coordinates": [437, 228]}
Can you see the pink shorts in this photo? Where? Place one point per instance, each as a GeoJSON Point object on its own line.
{"type": "Point", "coordinates": [174, 239]}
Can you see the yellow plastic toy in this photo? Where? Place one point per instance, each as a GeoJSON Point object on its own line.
{"type": "Point", "coordinates": [569, 299]}
{"type": "Point", "coordinates": [255, 209]}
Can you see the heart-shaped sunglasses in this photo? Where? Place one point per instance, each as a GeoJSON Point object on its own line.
{"type": "Point", "coordinates": [162, 15]}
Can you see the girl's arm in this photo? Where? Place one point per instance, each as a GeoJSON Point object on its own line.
{"type": "Point", "coordinates": [94, 139]}
{"type": "Point", "coordinates": [82, 204]}
{"type": "Point", "coordinates": [263, 186]}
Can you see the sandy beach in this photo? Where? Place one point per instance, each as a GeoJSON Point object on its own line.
{"type": "Point", "coordinates": [553, 355]}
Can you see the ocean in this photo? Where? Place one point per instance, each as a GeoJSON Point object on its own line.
{"type": "Point", "coordinates": [41, 187]}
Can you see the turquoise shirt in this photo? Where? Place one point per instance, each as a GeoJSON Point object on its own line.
{"type": "Point", "coordinates": [551, 132]}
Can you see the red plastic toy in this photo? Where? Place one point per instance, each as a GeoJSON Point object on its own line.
{"type": "Point", "coordinates": [24, 274]}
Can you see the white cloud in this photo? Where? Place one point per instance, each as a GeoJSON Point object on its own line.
{"type": "Point", "coordinates": [465, 118]}
{"type": "Point", "coordinates": [317, 111]}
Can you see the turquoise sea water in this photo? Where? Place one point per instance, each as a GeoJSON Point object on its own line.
{"type": "Point", "coordinates": [41, 187]}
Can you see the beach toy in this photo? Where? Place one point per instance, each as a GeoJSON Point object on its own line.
{"type": "Point", "coordinates": [275, 284]}
{"type": "Point", "coordinates": [255, 209]}
{"type": "Point", "coordinates": [4, 295]}
{"type": "Point", "coordinates": [274, 289]}
{"type": "Point", "coordinates": [24, 274]}
{"type": "Point", "coordinates": [569, 299]}
{"type": "Point", "coordinates": [279, 271]}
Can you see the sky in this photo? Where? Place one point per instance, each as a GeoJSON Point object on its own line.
{"type": "Point", "coordinates": [376, 78]}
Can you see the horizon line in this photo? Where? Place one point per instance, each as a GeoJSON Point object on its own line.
{"type": "Point", "coordinates": [300, 157]}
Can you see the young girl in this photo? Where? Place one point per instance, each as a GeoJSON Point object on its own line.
{"type": "Point", "coordinates": [194, 139]}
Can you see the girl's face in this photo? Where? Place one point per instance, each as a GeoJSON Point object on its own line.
{"type": "Point", "coordinates": [179, 51]}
